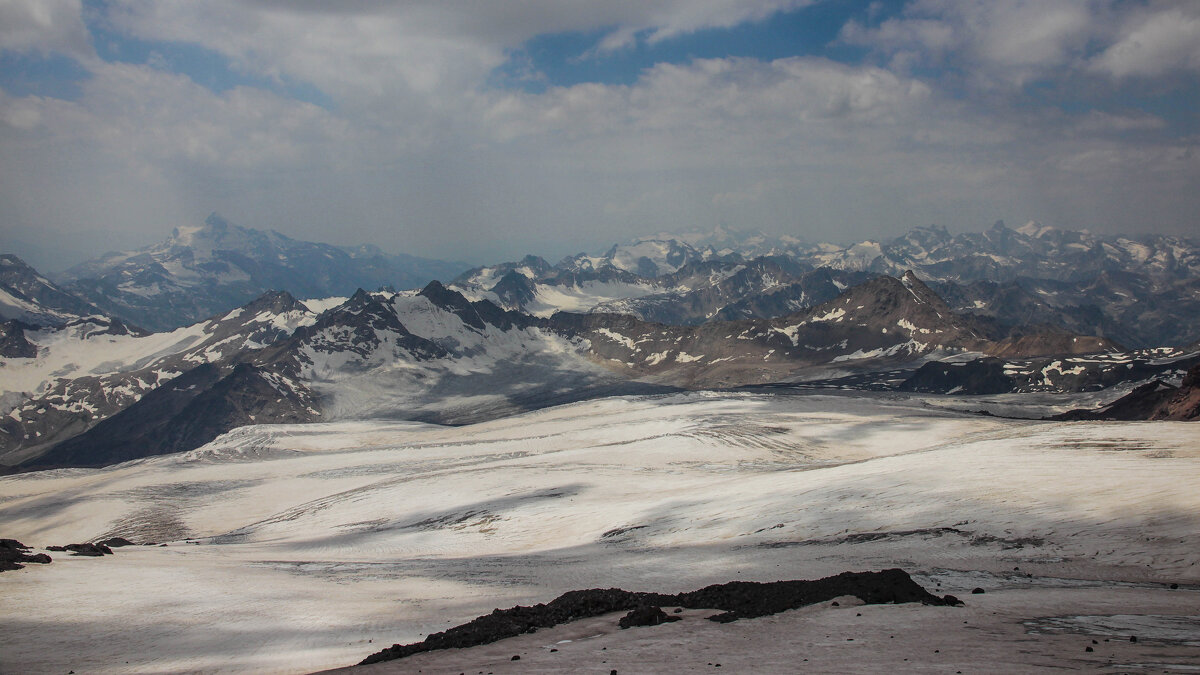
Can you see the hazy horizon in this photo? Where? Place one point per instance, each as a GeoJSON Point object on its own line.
{"type": "Point", "coordinates": [551, 128]}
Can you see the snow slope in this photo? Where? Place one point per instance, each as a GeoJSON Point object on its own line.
{"type": "Point", "coordinates": [89, 347]}
{"type": "Point", "coordinates": [487, 370]}
{"type": "Point", "coordinates": [318, 544]}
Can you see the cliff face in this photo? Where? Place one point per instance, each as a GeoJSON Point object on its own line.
{"type": "Point", "coordinates": [1184, 403]}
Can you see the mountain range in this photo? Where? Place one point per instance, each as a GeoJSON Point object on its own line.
{"type": "Point", "coordinates": [1141, 292]}
{"type": "Point", "coordinates": [84, 387]}
{"type": "Point", "coordinates": [204, 270]}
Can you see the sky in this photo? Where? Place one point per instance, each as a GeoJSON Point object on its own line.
{"type": "Point", "coordinates": [482, 131]}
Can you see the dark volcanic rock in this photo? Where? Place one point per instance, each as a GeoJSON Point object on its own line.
{"type": "Point", "coordinates": [645, 616]}
{"type": "Point", "coordinates": [91, 550]}
{"type": "Point", "coordinates": [13, 553]}
{"type": "Point", "coordinates": [739, 599]}
{"type": "Point", "coordinates": [116, 542]}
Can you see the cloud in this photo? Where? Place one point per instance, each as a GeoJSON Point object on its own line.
{"type": "Point", "coordinates": [993, 42]}
{"type": "Point", "coordinates": [44, 27]}
{"type": "Point", "coordinates": [368, 51]}
{"type": "Point", "coordinates": [1154, 44]}
{"type": "Point", "coordinates": [148, 116]}
{"type": "Point", "coordinates": [419, 151]}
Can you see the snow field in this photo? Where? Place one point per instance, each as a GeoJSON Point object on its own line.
{"type": "Point", "coordinates": [316, 538]}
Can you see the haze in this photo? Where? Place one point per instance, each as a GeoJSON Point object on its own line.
{"type": "Point", "coordinates": [544, 127]}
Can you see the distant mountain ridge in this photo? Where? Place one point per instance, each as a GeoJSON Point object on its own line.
{"type": "Point", "coordinates": [208, 269]}
{"type": "Point", "coordinates": [1141, 291]}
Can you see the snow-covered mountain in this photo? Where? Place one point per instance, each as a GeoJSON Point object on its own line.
{"type": "Point", "coordinates": [85, 372]}
{"type": "Point", "coordinates": [31, 298]}
{"type": "Point", "coordinates": [1144, 291]}
{"type": "Point", "coordinates": [95, 397]}
{"type": "Point", "coordinates": [1003, 254]}
{"type": "Point", "coordinates": [212, 268]}
{"type": "Point", "coordinates": [702, 290]}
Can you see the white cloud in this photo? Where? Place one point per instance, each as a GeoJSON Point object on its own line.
{"type": "Point", "coordinates": [44, 26]}
{"type": "Point", "coordinates": [1155, 44]}
{"type": "Point", "coordinates": [363, 53]}
{"type": "Point", "coordinates": [148, 116]}
{"type": "Point", "coordinates": [418, 154]}
{"type": "Point", "coordinates": [993, 42]}
{"type": "Point", "coordinates": [1018, 41]}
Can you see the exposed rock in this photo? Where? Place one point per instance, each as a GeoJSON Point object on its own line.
{"type": "Point", "coordinates": [116, 542]}
{"type": "Point", "coordinates": [13, 553]}
{"type": "Point", "coordinates": [739, 599]}
{"type": "Point", "coordinates": [91, 550]}
{"type": "Point", "coordinates": [980, 376]}
{"type": "Point", "coordinates": [13, 344]}
{"type": "Point", "coordinates": [1154, 400]}
{"type": "Point", "coordinates": [645, 616]}
{"type": "Point", "coordinates": [32, 298]}
{"type": "Point", "coordinates": [1061, 374]}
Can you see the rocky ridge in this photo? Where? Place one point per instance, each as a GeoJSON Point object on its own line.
{"type": "Point", "coordinates": [736, 600]}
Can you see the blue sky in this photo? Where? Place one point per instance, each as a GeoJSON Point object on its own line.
{"type": "Point", "coordinates": [565, 59]}
{"type": "Point", "coordinates": [551, 127]}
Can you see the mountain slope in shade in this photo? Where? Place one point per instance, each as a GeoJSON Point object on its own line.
{"type": "Point", "coordinates": [185, 413]}
{"type": "Point", "coordinates": [212, 268]}
{"type": "Point", "coordinates": [1079, 373]}
{"type": "Point", "coordinates": [436, 356]}
{"type": "Point", "coordinates": [87, 371]}
{"type": "Point", "coordinates": [31, 298]}
{"type": "Point", "coordinates": [1155, 400]}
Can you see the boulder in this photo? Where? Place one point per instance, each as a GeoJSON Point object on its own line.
{"type": "Point", "coordinates": [645, 615]}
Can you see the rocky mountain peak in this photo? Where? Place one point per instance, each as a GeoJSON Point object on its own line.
{"type": "Point", "coordinates": [444, 297]}
{"type": "Point", "coordinates": [515, 289]}
{"type": "Point", "coordinates": [478, 314]}
{"type": "Point", "coordinates": [216, 222]}
{"type": "Point", "coordinates": [276, 302]}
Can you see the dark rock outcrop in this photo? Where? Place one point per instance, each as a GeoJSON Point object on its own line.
{"type": "Point", "coordinates": [980, 376]}
{"type": "Point", "coordinates": [115, 542]}
{"type": "Point", "coordinates": [89, 550]}
{"type": "Point", "coordinates": [13, 344]}
{"type": "Point", "coordinates": [647, 615]}
{"type": "Point", "coordinates": [738, 599]}
{"type": "Point", "coordinates": [13, 553]}
{"type": "Point", "coordinates": [1154, 400]}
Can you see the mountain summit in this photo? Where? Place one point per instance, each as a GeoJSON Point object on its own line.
{"type": "Point", "coordinates": [211, 268]}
